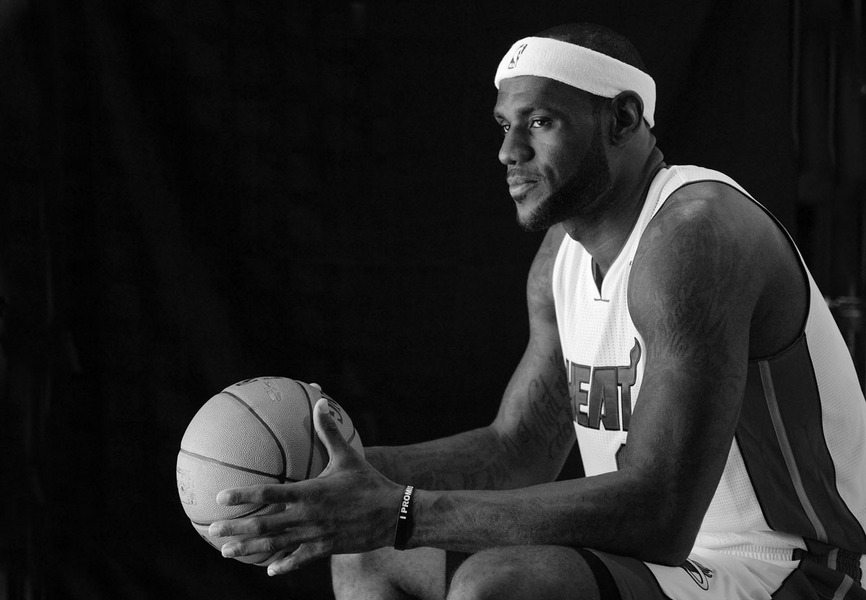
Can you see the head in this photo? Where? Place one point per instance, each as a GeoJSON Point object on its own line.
{"type": "Point", "coordinates": [564, 112]}
{"type": "Point", "coordinates": [598, 38]}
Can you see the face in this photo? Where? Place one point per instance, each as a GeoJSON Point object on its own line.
{"type": "Point", "coordinates": [557, 168]}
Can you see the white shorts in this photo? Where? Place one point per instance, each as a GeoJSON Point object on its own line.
{"type": "Point", "coordinates": [711, 575]}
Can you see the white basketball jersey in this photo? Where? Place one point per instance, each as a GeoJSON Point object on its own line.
{"type": "Point", "coordinates": [796, 472]}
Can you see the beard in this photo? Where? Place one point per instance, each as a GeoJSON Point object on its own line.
{"type": "Point", "coordinates": [580, 193]}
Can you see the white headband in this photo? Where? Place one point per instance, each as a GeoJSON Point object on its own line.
{"type": "Point", "coordinates": [578, 67]}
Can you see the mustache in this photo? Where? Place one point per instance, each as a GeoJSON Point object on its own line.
{"type": "Point", "coordinates": [521, 174]}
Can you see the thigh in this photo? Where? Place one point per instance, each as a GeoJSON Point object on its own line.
{"type": "Point", "coordinates": [705, 575]}
{"type": "Point", "coordinates": [529, 572]}
{"type": "Point", "coordinates": [560, 573]}
{"type": "Point", "coordinates": [388, 574]}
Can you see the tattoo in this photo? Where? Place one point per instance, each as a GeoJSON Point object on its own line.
{"type": "Point", "coordinates": [691, 299]}
{"type": "Point", "coordinates": [469, 460]}
{"type": "Point", "coordinates": [687, 308]}
{"type": "Point", "coordinates": [550, 422]}
{"type": "Point", "coordinates": [481, 459]}
{"type": "Point", "coordinates": [537, 397]}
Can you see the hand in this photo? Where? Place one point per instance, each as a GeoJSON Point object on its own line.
{"type": "Point", "coordinates": [350, 507]}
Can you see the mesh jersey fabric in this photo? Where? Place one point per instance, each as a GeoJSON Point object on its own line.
{"type": "Point", "coordinates": [794, 477]}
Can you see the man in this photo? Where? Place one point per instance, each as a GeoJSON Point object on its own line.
{"type": "Point", "coordinates": [674, 327]}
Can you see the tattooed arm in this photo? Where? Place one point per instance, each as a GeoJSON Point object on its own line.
{"type": "Point", "coordinates": [532, 434]}
{"type": "Point", "coordinates": [693, 291]}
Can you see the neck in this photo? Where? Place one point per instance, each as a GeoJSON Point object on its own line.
{"type": "Point", "coordinates": [604, 234]}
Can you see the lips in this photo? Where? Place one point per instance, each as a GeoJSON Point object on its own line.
{"type": "Point", "coordinates": [519, 183]}
{"type": "Point", "coordinates": [520, 189]}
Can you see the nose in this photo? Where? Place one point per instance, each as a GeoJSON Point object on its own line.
{"type": "Point", "coordinates": [515, 148]}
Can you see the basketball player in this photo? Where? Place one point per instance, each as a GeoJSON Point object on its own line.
{"type": "Point", "coordinates": [675, 328]}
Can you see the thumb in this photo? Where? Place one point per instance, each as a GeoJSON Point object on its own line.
{"type": "Point", "coordinates": [329, 432]}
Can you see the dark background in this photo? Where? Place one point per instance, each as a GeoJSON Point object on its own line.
{"type": "Point", "coordinates": [194, 193]}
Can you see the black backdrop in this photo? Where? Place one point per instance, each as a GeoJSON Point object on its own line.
{"type": "Point", "coordinates": [194, 193]}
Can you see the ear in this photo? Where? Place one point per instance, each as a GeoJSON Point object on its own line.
{"type": "Point", "coordinates": [627, 109]}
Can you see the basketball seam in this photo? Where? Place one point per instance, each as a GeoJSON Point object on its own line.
{"type": "Point", "coordinates": [282, 476]}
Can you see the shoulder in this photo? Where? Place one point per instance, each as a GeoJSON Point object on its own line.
{"type": "Point", "coordinates": [699, 201]}
{"type": "Point", "coordinates": [539, 288]}
{"type": "Point", "coordinates": [549, 248]}
{"type": "Point", "coordinates": [711, 251]}
{"type": "Point", "coordinates": [708, 216]}
{"type": "Point", "coordinates": [699, 252]}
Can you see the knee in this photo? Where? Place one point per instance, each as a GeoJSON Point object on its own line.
{"type": "Point", "coordinates": [351, 564]}
{"type": "Point", "coordinates": [485, 576]}
{"type": "Point", "coordinates": [389, 573]}
{"type": "Point", "coordinates": [360, 576]}
{"type": "Point", "coordinates": [349, 569]}
{"type": "Point", "coordinates": [524, 573]}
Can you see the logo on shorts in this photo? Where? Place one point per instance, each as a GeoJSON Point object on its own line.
{"type": "Point", "coordinates": [698, 572]}
{"type": "Point", "coordinates": [513, 62]}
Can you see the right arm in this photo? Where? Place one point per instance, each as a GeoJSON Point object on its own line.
{"type": "Point", "coordinates": [533, 432]}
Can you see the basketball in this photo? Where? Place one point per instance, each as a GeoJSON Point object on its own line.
{"type": "Point", "coordinates": [253, 432]}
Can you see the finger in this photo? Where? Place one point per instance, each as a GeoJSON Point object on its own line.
{"type": "Point", "coordinates": [260, 525]}
{"type": "Point", "coordinates": [287, 540]}
{"type": "Point", "coordinates": [267, 493]}
{"type": "Point", "coordinates": [261, 545]}
{"type": "Point", "coordinates": [304, 555]}
{"type": "Point", "coordinates": [329, 432]}
{"type": "Point", "coordinates": [317, 386]}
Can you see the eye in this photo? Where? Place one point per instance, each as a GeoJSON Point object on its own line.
{"type": "Point", "coordinates": [504, 127]}
{"type": "Point", "coordinates": [538, 122]}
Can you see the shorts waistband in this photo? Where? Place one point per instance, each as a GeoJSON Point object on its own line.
{"type": "Point", "coordinates": [844, 561]}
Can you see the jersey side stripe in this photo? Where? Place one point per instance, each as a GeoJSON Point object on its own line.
{"type": "Point", "coordinates": [803, 420]}
{"type": "Point", "coordinates": [780, 433]}
{"type": "Point", "coordinates": [787, 451]}
{"type": "Point", "coordinates": [847, 582]}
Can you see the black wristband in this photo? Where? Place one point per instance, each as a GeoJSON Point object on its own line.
{"type": "Point", "coordinates": [404, 519]}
